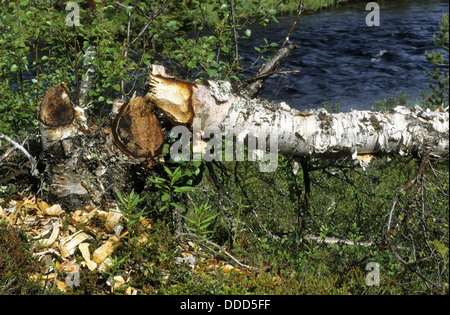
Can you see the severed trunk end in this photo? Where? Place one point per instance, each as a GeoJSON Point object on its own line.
{"type": "Point", "coordinates": [86, 166]}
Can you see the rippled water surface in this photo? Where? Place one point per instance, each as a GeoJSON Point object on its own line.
{"type": "Point", "coordinates": [341, 59]}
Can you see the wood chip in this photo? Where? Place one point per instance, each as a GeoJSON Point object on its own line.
{"type": "Point", "coordinates": [70, 243]}
{"type": "Point", "coordinates": [54, 210]}
{"type": "Point", "coordinates": [53, 236]}
{"type": "Point", "coordinates": [106, 249]}
{"type": "Point", "coordinates": [84, 249]}
{"type": "Point", "coordinates": [112, 219]}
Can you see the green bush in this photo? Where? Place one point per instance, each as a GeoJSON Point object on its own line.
{"type": "Point", "coordinates": [438, 97]}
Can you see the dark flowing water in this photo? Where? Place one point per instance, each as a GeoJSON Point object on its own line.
{"type": "Point", "coordinates": [341, 59]}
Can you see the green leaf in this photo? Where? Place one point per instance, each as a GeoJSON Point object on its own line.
{"type": "Point", "coordinates": [173, 204]}
{"type": "Point", "coordinates": [168, 171]}
{"type": "Point", "coordinates": [203, 226]}
{"type": "Point", "coordinates": [157, 180]}
{"type": "Point", "coordinates": [192, 64]}
{"type": "Point", "coordinates": [189, 220]}
{"type": "Point", "coordinates": [211, 73]}
{"type": "Point", "coordinates": [137, 215]}
{"type": "Point", "coordinates": [183, 189]}
{"type": "Point", "coordinates": [248, 32]}
{"type": "Point", "coordinates": [14, 68]}
{"type": "Point", "coordinates": [191, 229]}
{"type": "Point", "coordinates": [120, 196]}
{"type": "Point", "coordinates": [116, 87]}
{"type": "Point", "coordinates": [211, 217]}
{"type": "Point", "coordinates": [165, 197]}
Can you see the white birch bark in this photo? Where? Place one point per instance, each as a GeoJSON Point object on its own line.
{"type": "Point", "coordinates": [88, 82]}
{"type": "Point", "coordinates": [318, 133]}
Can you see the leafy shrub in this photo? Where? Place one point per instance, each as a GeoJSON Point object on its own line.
{"type": "Point", "coordinates": [439, 89]}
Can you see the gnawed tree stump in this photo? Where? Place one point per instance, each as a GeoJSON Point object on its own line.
{"type": "Point", "coordinates": [85, 166]}
{"type": "Point", "coordinates": [136, 130]}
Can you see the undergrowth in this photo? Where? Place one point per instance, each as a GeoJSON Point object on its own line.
{"type": "Point", "coordinates": [269, 240]}
{"type": "Point", "coordinates": [16, 263]}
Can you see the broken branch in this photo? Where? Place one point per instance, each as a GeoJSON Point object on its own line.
{"type": "Point", "coordinates": [34, 171]}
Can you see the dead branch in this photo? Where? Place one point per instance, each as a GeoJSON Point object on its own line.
{"type": "Point", "coordinates": [294, 24]}
{"type": "Point", "coordinates": [34, 171]}
{"type": "Point", "coordinates": [251, 89]}
{"type": "Point", "coordinates": [269, 68]}
{"type": "Point", "coordinates": [391, 231]}
{"type": "Point", "coordinates": [194, 237]}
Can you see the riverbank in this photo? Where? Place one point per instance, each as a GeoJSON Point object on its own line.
{"type": "Point", "coordinates": [285, 8]}
{"type": "Point", "coordinates": [290, 7]}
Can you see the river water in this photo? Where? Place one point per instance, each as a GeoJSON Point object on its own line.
{"type": "Point", "coordinates": [342, 60]}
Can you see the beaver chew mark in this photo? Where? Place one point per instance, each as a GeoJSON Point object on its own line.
{"type": "Point", "coordinates": [173, 97]}
{"type": "Point", "coordinates": [56, 110]}
{"type": "Point", "coordinates": [136, 130]}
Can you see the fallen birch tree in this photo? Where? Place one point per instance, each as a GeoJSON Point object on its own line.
{"type": "Point", "coordinates": [85, 164]}
{"type": "Point", "coordinates": [309, 133]}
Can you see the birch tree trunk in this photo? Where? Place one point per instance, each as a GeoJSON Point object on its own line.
{"type": "Point", "coordinates": [316, 133]}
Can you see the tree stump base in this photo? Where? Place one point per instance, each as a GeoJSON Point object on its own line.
{"type": "Point", "coordinates": [86, 166]}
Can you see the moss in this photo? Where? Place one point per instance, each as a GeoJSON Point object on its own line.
{"type": "Point", "coordinates": [16, 264]}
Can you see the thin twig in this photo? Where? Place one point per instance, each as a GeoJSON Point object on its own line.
{"type": "Point", "coordinates": [268, 74]}
{"type": "Point", "coordinates": [294, 24]}
{"type": "Point", "coordinates": [34, 170]}
{"type": "Point", "coordinates": [389, 231]}
{"type": "Point", "coordinates": [275, 60]}
{"type": "Point", "coordinates": [252, 88]}
{"type": "Point", "coordinates": [217, 246]}
{"type": "Point", "coordinates": [333, 240]}
{"type": "Point", "coordinates": [75, 54]}
{"type": "Point", "coordinates": [151, 19]}
{"type": "Point", "coordinates": [236, 41]}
